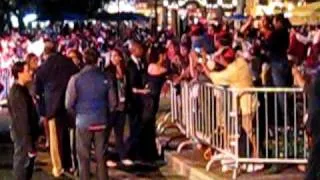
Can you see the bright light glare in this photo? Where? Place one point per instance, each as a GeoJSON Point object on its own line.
{"type": "Point", "coordinates": [36, 47]}
{"type": "Point", "coordinates": [29, 18]}
{"type": "Point", "coordinates": [14, 20]}
{"type": "Point", "coordinates": [114, 7]}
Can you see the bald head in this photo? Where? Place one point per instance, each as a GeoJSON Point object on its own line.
{"type": "Point", "coordinates": [136, 49]}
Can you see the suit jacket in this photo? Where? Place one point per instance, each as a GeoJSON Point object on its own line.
{"type": "Point", "coordinates": [24, 117]}
{"type": "Point", "coordinates": [51, 81]}
{"type": "Point", "coordinates": [135, 78]}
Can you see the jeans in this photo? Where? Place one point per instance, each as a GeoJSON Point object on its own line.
{"type": "Point", "coordinates": [281, 77]}
{"type": "Point", "coordinates": [281, 73]}
{"type": "Point", "coordinates": [117, 122]}
{"type": "Point", "coordinates": [84, 140]}
{"type": "Point", "coordinates": [22, 163]}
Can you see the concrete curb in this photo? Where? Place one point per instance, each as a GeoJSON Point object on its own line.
{"type": "Point", "coordinates": [191, 171]}
{"type": "Point", "coordinates": [192, 168]}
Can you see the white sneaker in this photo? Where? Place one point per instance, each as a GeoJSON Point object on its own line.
{"type": "Point", "coordinates": [243, 167]}
{"type": "Point", "coordinates": [254, 167]}
{"type": "Point", "coordinates": [111, 164]}
{"type": "Point", "coordinates": [302, 168]}
{"type": "Point", "coordinates": [127, 162]}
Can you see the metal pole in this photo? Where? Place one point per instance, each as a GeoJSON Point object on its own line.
{"type": "Point", "coordinates": [155, 17]}
{"type": "Point", "coordinates": [118, 21]}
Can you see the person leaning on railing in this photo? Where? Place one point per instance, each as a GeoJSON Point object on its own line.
{"type": "Point", "coordinates": [312, 88]}
{"type": "Point", "coordinates": [235, 73]}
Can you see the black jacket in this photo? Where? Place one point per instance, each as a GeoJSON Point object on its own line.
{"type": "Point", "coordinates": [51, 81]}
{"type": "Point", "coordinates": [24, 117]}
{"type": "Point", "coordinates": [111, 75]}
{"type": "Point", "coordinates": [135, 78]}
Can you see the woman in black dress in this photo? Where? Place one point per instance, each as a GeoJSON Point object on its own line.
{"type": "Point", "coordinates": [155, 79]}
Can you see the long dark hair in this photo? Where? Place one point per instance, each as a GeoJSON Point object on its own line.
{"type": "Point", "coordinates": [122, 63]}
{"type": "Point", "coordinates": [154, 53]}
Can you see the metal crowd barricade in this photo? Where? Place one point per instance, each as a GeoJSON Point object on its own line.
{"type": "Point", "coordinates": [277, 125]}
{"type": "Point", "coordinates": [251, 125]}
{"type": "Point", "coordinates": [177, 110]}
{"type": "Point", "coordinates": [265, 125]}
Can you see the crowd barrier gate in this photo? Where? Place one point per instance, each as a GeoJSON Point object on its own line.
{"type": "Point", "coordinates": [250, 125]}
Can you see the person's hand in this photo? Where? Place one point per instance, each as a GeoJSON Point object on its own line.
{"type": "Point", "coordinates": [250, 19]}
{"type": "Point", "coordinates": [32, 154]}
{"type": "Point", "coordinates": [141, 91]}
{"type": "Point", "coordinates": [184, 73]}
{"type": "Point", "coordinates": [135, 90]}
{"type": "Point", "coordinates": [145, 91]}
{"type": "Point", "coordinates": [265, 68]}
{"type": "Point", "coordinates": [204, 55]}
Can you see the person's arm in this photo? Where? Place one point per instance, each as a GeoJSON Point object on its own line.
{"type": "Point", "coordinates": [298, 77]}
{"type": "Point", "coordinates": [221, 77]}
{"type": "Point", "coordinates": [112, 95]}
{"type": "Point", "coordinates": [206, 70]}
{"type": "Point", "coordinates": [120, 73]}
{"type": "Point", "coordinates": [304, 40]}
{"type": "Point", "coordinates": [39, 87]}
{"type": "Point", "coordinates": [140, 91]}
{"type": "Point", "coordinates": [71, 95]}
{"type": "Point", "coordinates": [193, 62]}
{"type": "Point", "coordinates": [246, 26]}
{"type": "Point", "coordinates": [131, 79]}
{"type": "Point", "coordinates": [154, 70]}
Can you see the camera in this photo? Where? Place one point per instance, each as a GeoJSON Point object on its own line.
{"type": "Point", "coordinates": [198, 51]}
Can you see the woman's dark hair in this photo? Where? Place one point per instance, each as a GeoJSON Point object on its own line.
{"type": "Point", "coordinates": [91, 56]}
{"type": "Point", "coordinates": [186, 45]}
{"type": "Point", "coordinates": [154, 53]}
{"type": "Point", "coordinates": [77, 53]}
{"type": "Point", "coordinates": [17, 68]}
{"type": "Point", "coordinates": [119, 52]}
{"type": "Point", "coordinates": [29, 57]}
{"type": "Point", "coordinates": [175, 45]}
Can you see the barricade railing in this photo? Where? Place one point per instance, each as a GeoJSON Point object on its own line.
{"type": "Point", "coordinates": [270, 123]}
{"type": "Point", "coordinates": [251, 125]}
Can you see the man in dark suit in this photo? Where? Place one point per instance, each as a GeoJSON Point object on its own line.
{"type": "Point", "coordinates": [135, 73]}
{"type": "Point", "coordinates": [24, 125]}
{"type": "Point", "coordinates": [51, 81]}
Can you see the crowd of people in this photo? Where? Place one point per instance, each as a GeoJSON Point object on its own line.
{"type": "Point", "coordinates": [84, 82]}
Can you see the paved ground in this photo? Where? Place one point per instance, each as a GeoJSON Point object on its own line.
{"type": "Point", "coordinates": [192, 164]}
{"type": "Point", "coordinates": [43, 164]}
